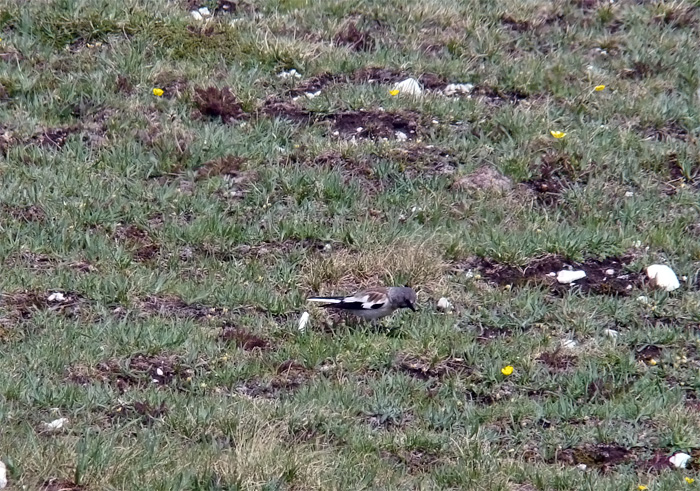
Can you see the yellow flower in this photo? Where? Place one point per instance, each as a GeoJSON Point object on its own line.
{"type": "Point", "coordinates": [689, 480]}
{"type": "Point", "coordinates": [394, 92]}
{"type": "Point", "coordinates": [557, 134]}
{"type": "Point", "coordinates": [158, 92]}
{"type": "Point", "coordinates": [652, 362]}
{"type": "Point", "coordinates": [599, 88]}
{"type": "Point", "coordinates": [507, 370]}
{"type": "Point", "coordinates": [642, 487]}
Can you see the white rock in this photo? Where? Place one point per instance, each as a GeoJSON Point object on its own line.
{"type": "Point", "coordinates": [643, 299]}
{"type": "Point", "coordinates": [469, 274]}
{"type": "Point", "coordinates": [196, 15]}
{"type": "Point", "coordinates": [568, 343]}
{"type": "Point", "coordinates": [204, 12]}
{"type": "Point", "coordinates": [401, 136]}
{"type": "Point", "coordinates": [444, 304]}
{"type": "Point", "coordinates": [289, 74]}
{"type": "Point", "coordinates": [552, 274]}
{"type": "Point", "coordinates": [56, 297]}
{"type": "Point", "coordinates": [360, 129]}
{"type": "Point", "coordinates": [611, 333]}
{"type": "Point", "coordinates": [159, 372]}
{"type": "Point", "coordinates": [565, 276]}
{"type": "Point", "coordinates": [3, 475]}
{"type": "Point", "coordinates": [453, 89]}
{"type": "Point", "coordinates": [56, 424]}
{"type": "Point", "coordinates": [680, 460]}
{"type": "Point", "coordinates": [629, 194]}
{"type": "Point", "coordinates": [303, 321]}
{"type": "Point", "coordinates": [410, 86]}
{"type": "Point", "coordinates": [311, 95]}
{"type": "Point", "coordinates": [327, 248]}
{"type": "Point", "coordinates": [582, 467]}
{"type": "Point", "coordinates": [609, 272]}
{"type": "Point", "coordinates": [663, 277]}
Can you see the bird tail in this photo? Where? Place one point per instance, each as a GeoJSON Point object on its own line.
{"type": "Point", "coordinates": [326, 300]}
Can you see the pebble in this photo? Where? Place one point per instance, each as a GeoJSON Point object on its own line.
{"type": "Point", "coordinates": [401, 136]}
{"type": "Point", "coordinates": [56, 424]}
{"type": "Point", "coordinates": [680, 460]}
{"type": "Point", "coordinates": [289, 74]}
{"type": "Point", "coordinates": [663, 277]}
{"type": "Point", "coordinates": [611, 333]}
{"type": "Point", "coordinates": [303, 321]}
{"type": "Point", "coordinates": [569, 344]}
{"type": "Point", "coordinates": [56, 297]}
{"type": "Point", "coordinates": [444, 304]}
{"type": "Point", "coordinates": [565, 276]}
{"type": "Point", "coordinates": [3, 475]}
{"type": "Point", "coordinates": [410, 86]}
{"type": "Point", "coordinates": [609, 272]}
{"type": "Point", "coordinates": [455, 89]}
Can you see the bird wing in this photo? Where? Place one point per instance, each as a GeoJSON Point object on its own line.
{"type": "Point", "coordinates": [365, 300]}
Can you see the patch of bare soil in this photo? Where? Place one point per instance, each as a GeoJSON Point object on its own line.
{"type": "Point", "coordinates": [603, 277]}
{"type": "Point", "coordinates": [30, 213]}
{"type": "Point", "coordinates": [138, 371]}
{"type": "Point", "coordinates": [649, 353]}
{"type": "Point", "coordinates": [143, 411]}
{"type": "Point", "coordinates": [54, 137]}
{"type": "Point", "coordinates": [375, 124]}
{"type": "Point", "coordinates": [172, 306]}
{"type": "Point", "coordinates": [289, 377]}
{"type": "Point", "coordinates": [215, 103]}
{"type": "Point", "coordinates": [242, 338]}
{"type": "Point", "coordinates": [424, 368]}
{"type": "Point", "coordinates": [603, 457]}
{"type": "Point", "coordinates": [556, 171]}
{"type": "Point", "coordinates": [22, 305]}
{"type": "Point", "coordinates": [56, 484]}
{"type": "Point", "coordinates": [640, 70]}
{"type": "Point", "coordinates": [484, 179]}
{"type": "Point", "coordinates": [557, 361]}
{"type": "Point", "coordinates": [230, 166]}
{"type": "Point", "coordinates": [668, 131]}
{"type": "Point", "coordinates": [354, 38]}
{"type": "Point", "coordinates": [137, 239]}
{"type": "Point", "coordinates": [314, 84]}
{"type": "Point", "coordinates": [418, 160]}
{"type": "Point", "coordinates": [286, 110]}
{"type": "Point", "coordinates": [222, 6]}
{"type": "Point", "coordinates": [172, 84]}
{"type": "Point", "coordinates": [496, 96]}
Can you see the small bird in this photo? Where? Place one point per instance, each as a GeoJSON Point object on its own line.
{"type": "Point", "coordinates": [372, 303]}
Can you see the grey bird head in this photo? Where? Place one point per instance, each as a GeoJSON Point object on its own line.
{"type": "Point", "coordinates": [402, 297]}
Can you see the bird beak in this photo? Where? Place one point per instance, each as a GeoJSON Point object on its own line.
{"type": "Point", "coordinates": [412, 307]}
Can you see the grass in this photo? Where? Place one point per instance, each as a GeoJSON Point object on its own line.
{"type": "Point", "coordinates": [185, 232]}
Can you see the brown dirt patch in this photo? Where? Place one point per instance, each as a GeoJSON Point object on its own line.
{"type": "Point", "coordinates": [496, 96]}
{"type": "Point", "coordinates": [418, 160]}
{"type": "Point", "coordinates": [375, 124]}
{"type": "Point", "coordinates": [426, 368]}
{"type": "Point", "coordinates": [22, 305]}
{"type": "Point", "coordinates": [537, 272]}
{"type": "Point", "coordinates": [229, 166]}
{"type": "Point", "coordinates": [137, 371]}
{"type": "Point", "coordinates": [557, 361]}
{"type": "Point", "coordinates": [215, 103]}
{"type": "Point", "coordinates": [649, 352]}
{"type": "Point", "coordinates": [31, 213]}
{"type": "Point", "coordinates": [668, 131]}
{"type": "Point", "coordinates": [143, 411]}
{"type": "Point", "coordinates": [416, 461]}
{"type": "Point", "coordinates": [286, 110]}
{"type": "Point", "coordinates": [314, 84]}
{"type": "Point", "coordinates": [556, 171]}
{"type": "Point", "coordinates": [173, 85]}
{"type": "Point", "coordinates": [484, 179]}
{"type": "Point", "coordinates": [354, 38]}
{"type": "Point", "coordinates": [172, 306]}
{"type": "Point", "coordinates": [289, 377]}
{"type": "Point", "coordinates": [603, 457]}
{"type": "Point", "coordinates": [53, 137]}
{"type": "Point", "coordinates": [138, 240]}
{"type": "Point", "coordinates": [656, 463]}
{"type": "Point", "coordinates": [242, 338]}
{"type": "Point", "coordinates": [56, 484]}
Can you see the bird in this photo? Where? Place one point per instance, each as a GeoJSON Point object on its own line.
{"type": "Point", "coordinates": [372, 303]}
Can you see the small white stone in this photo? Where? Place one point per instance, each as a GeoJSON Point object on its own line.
{"type": "Point", "coordinates": [327, 248]}
{"type": "Point", "coordinates": [684, 278]}
{"type": "Point", "coordinates": [56, 297]}
{"type": "Point", "coordinates": [663, 277]}
{"type": "Point", "coordinates": [159, 372]}
{"type": "Point", "coordinates": [401, 136]}
{"type": "Point", "coordinates": [568, 344]}
{"type": "Point", "coordinates": [611, 333]}
{"type": "Point", "coordinates": [196, 15]}
{"type": "Point", "coordinates": [56, 424]}
{"type": "Point", "coordinates": [303, 321]}
{"type": "Point", "coordinates": [289, 74]}
{"type": "Point", "coordinates": [360, 129]}
{"type": "Point", "coordinates": [410, 86]}
{"type": "Point", "coordinates": [204, 11]}
{"type": "Point", "coordinates": [582, 467]}
{"type": "Point", "coordinates": [444, 304]}
{"type": "Point", "coordinates": [3, 475]}
{"type": "Point", "coordinates": [643, 299]}
{"type": "Point", "coordinates": [454, 89]}
{"type": "Point", "coordinates": [680, 460]}
{"type": "Point", "coordinates": [552, 274]}
{"type": "Point", "coordinates": [416, 209]}
{"type": "Point", "coordinates": [469, 274]}
{"type": "Point", "coordinates": [609, 272]}
{"type": "Point", "coordinates": [311, 95]}
{"type": "Point", "coordinates": [435, 121]}
{"type": "Point", "coordinates": [565, 276]}
{"type": "Point", "coordinates": [629, 194]}
{"type": "Point", "coordinates": [336, 133]}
